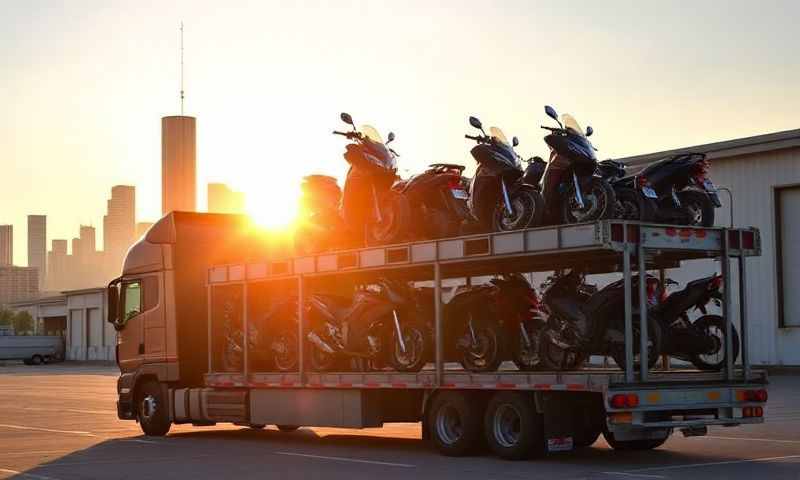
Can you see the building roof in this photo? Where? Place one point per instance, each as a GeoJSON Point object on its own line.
{"type": "Point", "coordinates": [51, 299]}
{"type": "Point", "coordinates": [727, 148]}
{"type": "Point", "coordinates": [84, 290]}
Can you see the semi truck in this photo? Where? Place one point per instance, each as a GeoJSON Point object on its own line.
{"type": "Point", "coordinates": [199, 287]}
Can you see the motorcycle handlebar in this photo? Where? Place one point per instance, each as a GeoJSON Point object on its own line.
{"type": "Point", "coordinates": [344, 134]}
{"type": "Point", "coordinates": [552, 129]}
{"type": "Point", "coordinates": [477, 139]}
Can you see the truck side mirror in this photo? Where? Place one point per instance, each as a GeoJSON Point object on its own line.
{"type": "Point", "coordinates": [113, 302]}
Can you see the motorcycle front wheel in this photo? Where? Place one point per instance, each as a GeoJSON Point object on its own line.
{"type": "Point", "coordinates": [697, 207]}
{"type": "Point", "coordinates": [715, 359]}
{"type": "Point", "coordinates": [554, 357]}
{"type": "Point", "coordinates": [394, 223]}
{"type": "Point", "coordinates": [598, 202]}
{"type": "Point", "coordinates": [484, 354]}
{"type": "Point", "coordinates": [526, 357]}
{"type": "Point", "coordinates": [414, 357]}
{"type": "Point", "coordinates": [527, 210]}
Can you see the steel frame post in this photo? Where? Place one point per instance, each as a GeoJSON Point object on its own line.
{"type": "Point", "coordinates": [743, 313]}
{"type": "Point", "coordinates": [245, 332]}
{"type": "Point", "coordinates": [643, 335]}
{"type": "Point", "coordinates": [300, 329]}
{"type": "Point", "coordinates": [437, 306]}
{"type": "Point", "coordinates": [726, 304]}
{"type": "Point", "coordinates": [210, 345]}
{"type": "Point", "coordinates": [662, 277]}
{"type": "Point", "coordinates": [626, 273]}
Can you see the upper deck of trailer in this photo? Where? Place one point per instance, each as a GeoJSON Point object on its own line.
{"type": "Point", "coordinates": [595, 246]}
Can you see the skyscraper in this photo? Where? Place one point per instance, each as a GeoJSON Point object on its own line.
{"type": "Point", "coordinates": [57, 266]}
{"type": "Point", "coordinates": [37, 246]}
{"type": "Point", "coordinates": [119, 223]}
{"type": "Point", "coordinates": [222, 199]}
{"type": "Point", "coordinates": [18, 283]}
{"type": "Point", "coordinates": [6, 245]}
{"type": "Point", "coordinates": [178, 169]}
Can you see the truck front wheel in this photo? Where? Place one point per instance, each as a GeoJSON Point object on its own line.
{"type": "Point", "coordinates": [151, 410]}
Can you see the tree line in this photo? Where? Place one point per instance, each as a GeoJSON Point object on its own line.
{"type": "Point", "coordinates": [20, 322]}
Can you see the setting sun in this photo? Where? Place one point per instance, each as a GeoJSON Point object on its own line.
{"type": "Point", "coordinates": [273, 206]}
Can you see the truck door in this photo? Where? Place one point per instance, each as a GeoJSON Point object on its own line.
{"type": "Point", "coordinates": [155, 331]}
{"type": "Point", "coordinates": [131, 336]}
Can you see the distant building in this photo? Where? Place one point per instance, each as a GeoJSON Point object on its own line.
{"type": "Point", "coordinates": [18, 283]}
{"type": "Point", "coordinates": [178, 164]}
{"type": "Point", "coordinates": [222, 199]}
{"type": "Point", "coordinates": [119, 224]}
{"type": "Point", "coordinates": [142, 228]}
{"type": "Point", "coordinates": [6, 245]}
{"type": "Point", "coordinates": [37, 246]}
{"type": "Point", "coordinates": [57, 265]}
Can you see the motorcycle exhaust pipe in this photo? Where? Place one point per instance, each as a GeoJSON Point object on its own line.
{"type": "Point", "coordinates": [578, 194]}
{"type": "Point", "coordinates": [320, 343]}
{"type": "Point", "coordinates": [506, 199]}
{"type": "Point", "coordinates": [399, 333]}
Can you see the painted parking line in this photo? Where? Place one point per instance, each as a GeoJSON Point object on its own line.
{"type": "Point", "coordinates": [48, 430]}
{"type": "Point", "coordinates": [774, 440]}
{"type": "Point", "coordinates": [633, 475]}
{"type": "Point", "coordinates": [713, 464]}
{"type": "Point", "coordinates": [345, 459]}
{"type": "Point", "coordinates": [22, 475]}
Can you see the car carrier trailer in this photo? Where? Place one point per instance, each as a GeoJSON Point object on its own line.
{"type": "Point", "coordinates": [520, 414]}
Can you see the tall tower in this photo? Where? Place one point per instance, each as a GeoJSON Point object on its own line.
{"type": "Point", "coordinates": [178, 164]}
{"type": "Point", "coordinates": [119, 223]}
{"type": "Point", "coordinates": [6, 245]}
{"type": "Point", "coordinates": [37, 245]}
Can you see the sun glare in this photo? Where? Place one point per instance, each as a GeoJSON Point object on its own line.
{"type": "Point", "coordinates": [273, 207]}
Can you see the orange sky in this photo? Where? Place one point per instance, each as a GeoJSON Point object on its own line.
{"type": "Point", "coordinates": [83, 85]}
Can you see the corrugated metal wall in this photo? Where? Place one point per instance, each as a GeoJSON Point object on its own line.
{"type": "Point", "coordinates": [752, 179]}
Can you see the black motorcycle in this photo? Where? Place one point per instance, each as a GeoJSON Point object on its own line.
{"type": "Point", "coordinates": [499, 198]}
{"type": "Point", "coordinates": [584, 321]}
{"type": "Point", "coordinates": [680, 190]}
{"type": "Point", "coordinates": [379, 326]}
{"type": "Point", "coordinates": [629, 203]}
{"type": "Point", "coordinates": [702, 341]}
{"type": "Point", "coordinates": [572, 189]}
{"type": "Point", "coordinates": [321, 228]}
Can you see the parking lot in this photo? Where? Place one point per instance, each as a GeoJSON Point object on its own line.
{"type": "Point", "coordinates": [59, 422]}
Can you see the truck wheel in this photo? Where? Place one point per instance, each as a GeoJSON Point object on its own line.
{"type": "Point", "coordinates": [514, 430]}
{"type": "Point", "coordinates": [151, 410]}
{"type": "Point", "coordinates": [287, 428]}
{"type": "Point", "coordinates": [455, 424]}
{"type": "Point", "coordinates": [642, 444]}
{"type": "Point", "coordinates": [36, 360]}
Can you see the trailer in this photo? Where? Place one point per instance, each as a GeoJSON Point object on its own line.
{"type": "Point", "coordinates": [32, 349]}
{"type": "Point", "coordinates": [520, 414]}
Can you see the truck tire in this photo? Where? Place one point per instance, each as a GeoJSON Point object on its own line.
{"type": "Point", "coordinates": [455, 424]}
{"type": "Point", "coordinates": [152, 409]}
{"type": "Point", "coordinates": [287, 428]}
{"type": "Point", "coordinates": [514, 430]}
{"type": "Point", "coordinates": [631, 445]}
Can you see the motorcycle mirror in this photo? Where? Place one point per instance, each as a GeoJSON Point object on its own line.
{"type": "Point", "coordinates": [390, 138]}
{"type": "Point", "coordinates": [589, 130]}
{"type": "Point", "coordinates": [346, 118]}
{"type": "Point", "coordinates": [551, 112]}
{"type": "Point", "coordinates": [514, 141]}
{"type": "Point", "coordinates": [475, 123]}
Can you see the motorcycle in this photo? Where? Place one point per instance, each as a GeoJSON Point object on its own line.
{"type": "Point", "coordinates": [680, 189]}
{"type": "Point", "coordinates": [629, 204]}
{"type": "Point", "coordinates": [702, 341]}
{"type": "Point", "coordinates": [515, 299]}
{"type": "Point", "coordinates": [499, 197]}
{"type": "Point", "coordinates": [573, 191]}
{"type": "Point", "coordinates": [585, 321]}
{"type": "Point", "coordinates": [321, 228]}
{"type": "Point", "coordinates": [379, 325]}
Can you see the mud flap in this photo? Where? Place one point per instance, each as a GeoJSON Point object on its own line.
{"type": "Point", "coordinates": [559, 421]}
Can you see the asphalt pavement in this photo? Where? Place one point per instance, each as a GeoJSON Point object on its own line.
{"type": "Point", "coordinates": [58, 422]}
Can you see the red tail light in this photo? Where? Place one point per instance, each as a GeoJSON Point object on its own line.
{"type": "Point", "coordinates": [755, 395]}
{"type": "Point", "coordinates": [625, 400]}
{"type": "Point", "coordinates": [748, 240]}
{"type": "Point", "coordinates": [749, 412]}
{"type": "Point", "coordinates": [454, 183]}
